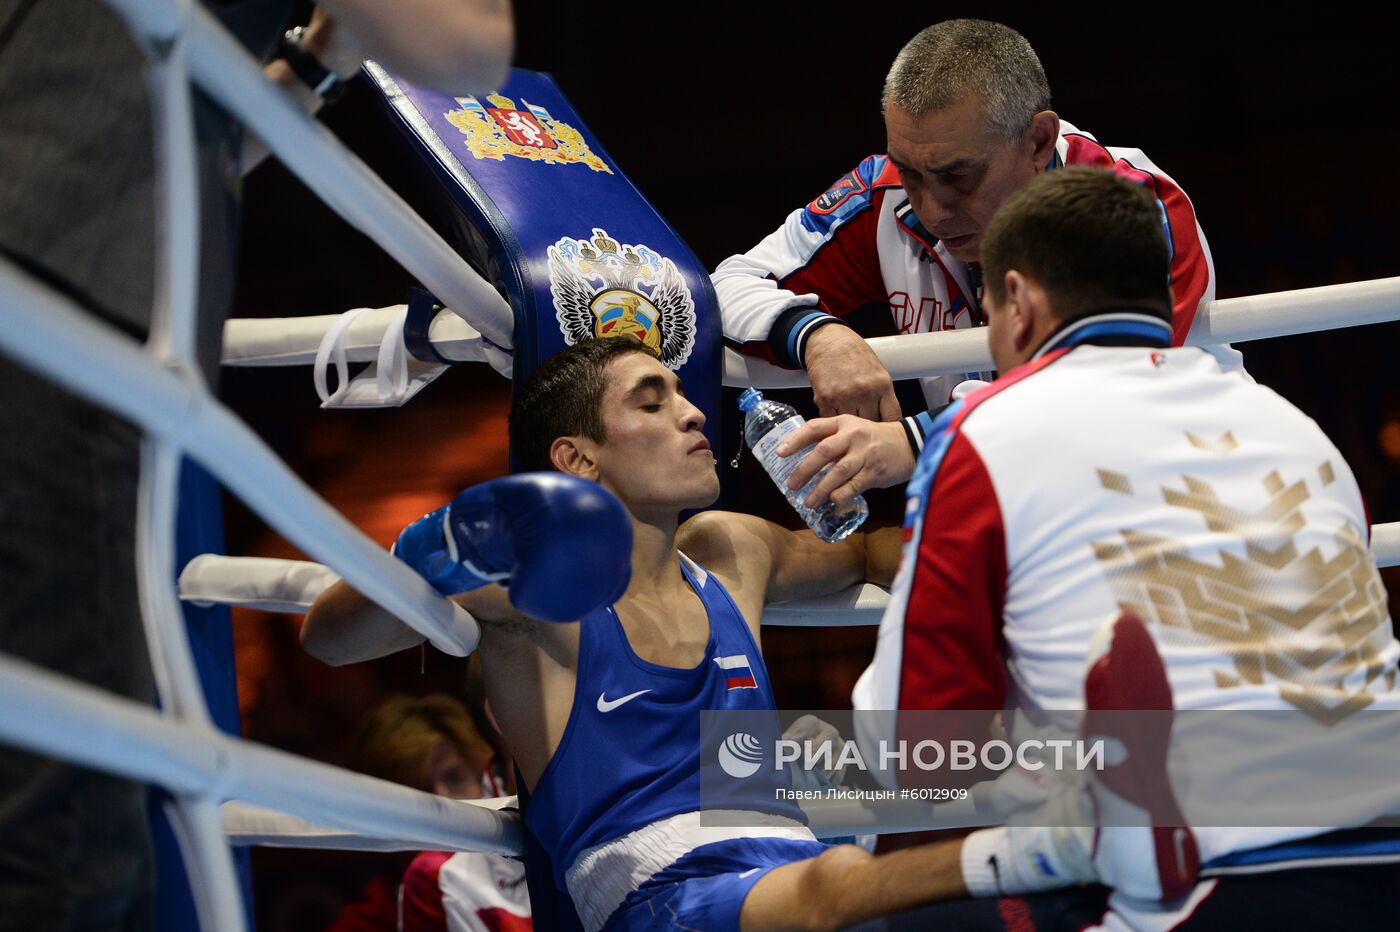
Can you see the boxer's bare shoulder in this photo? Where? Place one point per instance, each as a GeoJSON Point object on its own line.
{"type": "Point", "coordinates": [717, 539]}
{"type": "Point", "coordinates": [761, 562]}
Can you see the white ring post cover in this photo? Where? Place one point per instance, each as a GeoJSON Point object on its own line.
{"type": "Point", "coordinates": [288, 586]}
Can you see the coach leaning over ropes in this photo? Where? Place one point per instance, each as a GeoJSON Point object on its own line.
{"type": "Point", "coordinates": [968, 121]}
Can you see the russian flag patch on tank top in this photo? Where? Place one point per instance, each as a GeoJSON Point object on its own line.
{"type": "Point", "coordinates": [737, 672]}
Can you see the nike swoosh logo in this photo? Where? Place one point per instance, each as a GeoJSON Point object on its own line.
{"type": "Point", "coordinates": [750, 872]}
{"type": "Point", "coordinates": [607, 705]}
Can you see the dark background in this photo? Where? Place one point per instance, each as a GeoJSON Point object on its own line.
{"type": "Point", "coordinates": [1282, 129]}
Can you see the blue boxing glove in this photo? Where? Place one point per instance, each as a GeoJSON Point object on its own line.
{"type": "Point", "coordinates": [562, 545]}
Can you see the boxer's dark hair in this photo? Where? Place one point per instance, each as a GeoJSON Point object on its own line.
{"type": "Point", "coordinates": [1093, 240]}
{"type": "Point", "coordinates": [563, 398]}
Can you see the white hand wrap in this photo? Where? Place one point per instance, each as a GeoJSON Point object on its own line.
{"type": "Point", "coordinates": [1013, 860]}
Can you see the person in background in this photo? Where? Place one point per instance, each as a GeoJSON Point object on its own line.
{"type": "Point", "coordinates": [432, 743]}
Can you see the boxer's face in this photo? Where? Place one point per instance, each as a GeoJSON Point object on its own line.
{"type": "Point", "coordinates": [654, 454]}
{"type": "Point", "coordinates": [957, 174]}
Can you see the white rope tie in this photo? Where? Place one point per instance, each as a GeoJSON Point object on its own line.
{"type": "Point", "coordinates": [392, 379]}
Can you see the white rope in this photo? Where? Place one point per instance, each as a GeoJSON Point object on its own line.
{"type": "Point", "coordinates": [1385, 544]}
{"type": "Point", "coordinates": [863, 604]}
{"type": "Point", "coordinates": [263, 583]}
{"type": "Point", "coordinates": [1304, 310]}
{"type": "Point", "coordinates": [1229, 320]}
{"type": "Point", "coordinates": [54, 715]}
{"type": "Point", "coordinates": [293, 341]}
{"type": "Point", "coordinates": [44, 331]}
{"type": "Point", "coordinates": [291, 586]}
{"type": "Point", "coordinates": [248, 825]}
{"type": "Point", "coordinates": [255, 826]}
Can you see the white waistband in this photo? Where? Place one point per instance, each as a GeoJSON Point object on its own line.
{"type": "Point", "coordinates": [603, 876]}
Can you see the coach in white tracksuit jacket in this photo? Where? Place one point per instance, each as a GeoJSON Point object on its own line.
{"type": "Point", "coordinates": [1107, 472]}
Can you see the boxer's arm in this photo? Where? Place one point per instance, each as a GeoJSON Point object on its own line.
{"type": "Point", "coordinates": [786, 564]}
{"type": "Point", "coordinates": [883, 548]}
{"type": "Point", "coordinates": [847, 885]}
{"type": "Point", "coordinates": [344, 627]}
{"type": "Point", "coordinates": [560, 543]}
{"type": "Point", "coordinates": [805, 567]}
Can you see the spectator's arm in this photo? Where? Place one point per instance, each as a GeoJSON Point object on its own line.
{"type": "Point", "coordinates": [455, 46]}
{"type": "Point", "coordinates": [329, 44]}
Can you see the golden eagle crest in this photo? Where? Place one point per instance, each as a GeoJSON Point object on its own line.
{"type": "Point", "coordinates": [603, 288]}
{"type": "Point", "coordinates": [498, 128]}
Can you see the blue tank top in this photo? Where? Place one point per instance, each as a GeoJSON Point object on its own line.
{"type": "Point", "coordinates": [630, 754]}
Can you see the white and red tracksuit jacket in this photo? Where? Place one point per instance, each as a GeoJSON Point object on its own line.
{"type": "Point", "coordinates": [859, 242]}
{"type": "Point", "coordinates": [464, 892]}
{"type": "Point", "coordinates": [1114, 473]}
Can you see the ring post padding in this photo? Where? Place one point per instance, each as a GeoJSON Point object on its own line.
{"type": "Point", "coordinates": [576, 247]}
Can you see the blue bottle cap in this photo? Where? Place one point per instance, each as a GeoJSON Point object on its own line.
{"type": "Point", "coordinates": [748, 398]}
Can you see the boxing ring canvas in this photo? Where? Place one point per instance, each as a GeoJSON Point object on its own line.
{"type": "Point", "coordinates": [158, 387]}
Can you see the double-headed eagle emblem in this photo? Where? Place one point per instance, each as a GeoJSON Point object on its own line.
{"type": "Point", "coordinates": [603, 288]}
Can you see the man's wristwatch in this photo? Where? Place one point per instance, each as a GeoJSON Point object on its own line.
{"type": "Point", "coordinates": [323, 82]}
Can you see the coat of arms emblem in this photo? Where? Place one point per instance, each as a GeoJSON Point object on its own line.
{"type": "Point", "coordinates": [499, 128]}
{"type": "Point", "coordinates": [603, 288]}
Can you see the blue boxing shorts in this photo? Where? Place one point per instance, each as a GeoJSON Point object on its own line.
{"type": "Point", "coordinates": [706, 888]}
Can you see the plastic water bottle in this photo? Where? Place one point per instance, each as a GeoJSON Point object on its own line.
{"type": "Point", "coordinates": [766, 424]}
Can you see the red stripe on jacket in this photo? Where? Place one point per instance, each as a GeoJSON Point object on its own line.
{"type": "Point", "coordinates": [951, 657]}
{"type": "Point", "coordinates": [1190, 271]}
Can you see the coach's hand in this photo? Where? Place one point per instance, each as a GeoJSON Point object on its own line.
{"type": "Point", "coordinates": [562, 545]}
{"type": "Point", "coordinates": [863, 454]}
{"type": "Point", "coordinates": [847, 377]}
